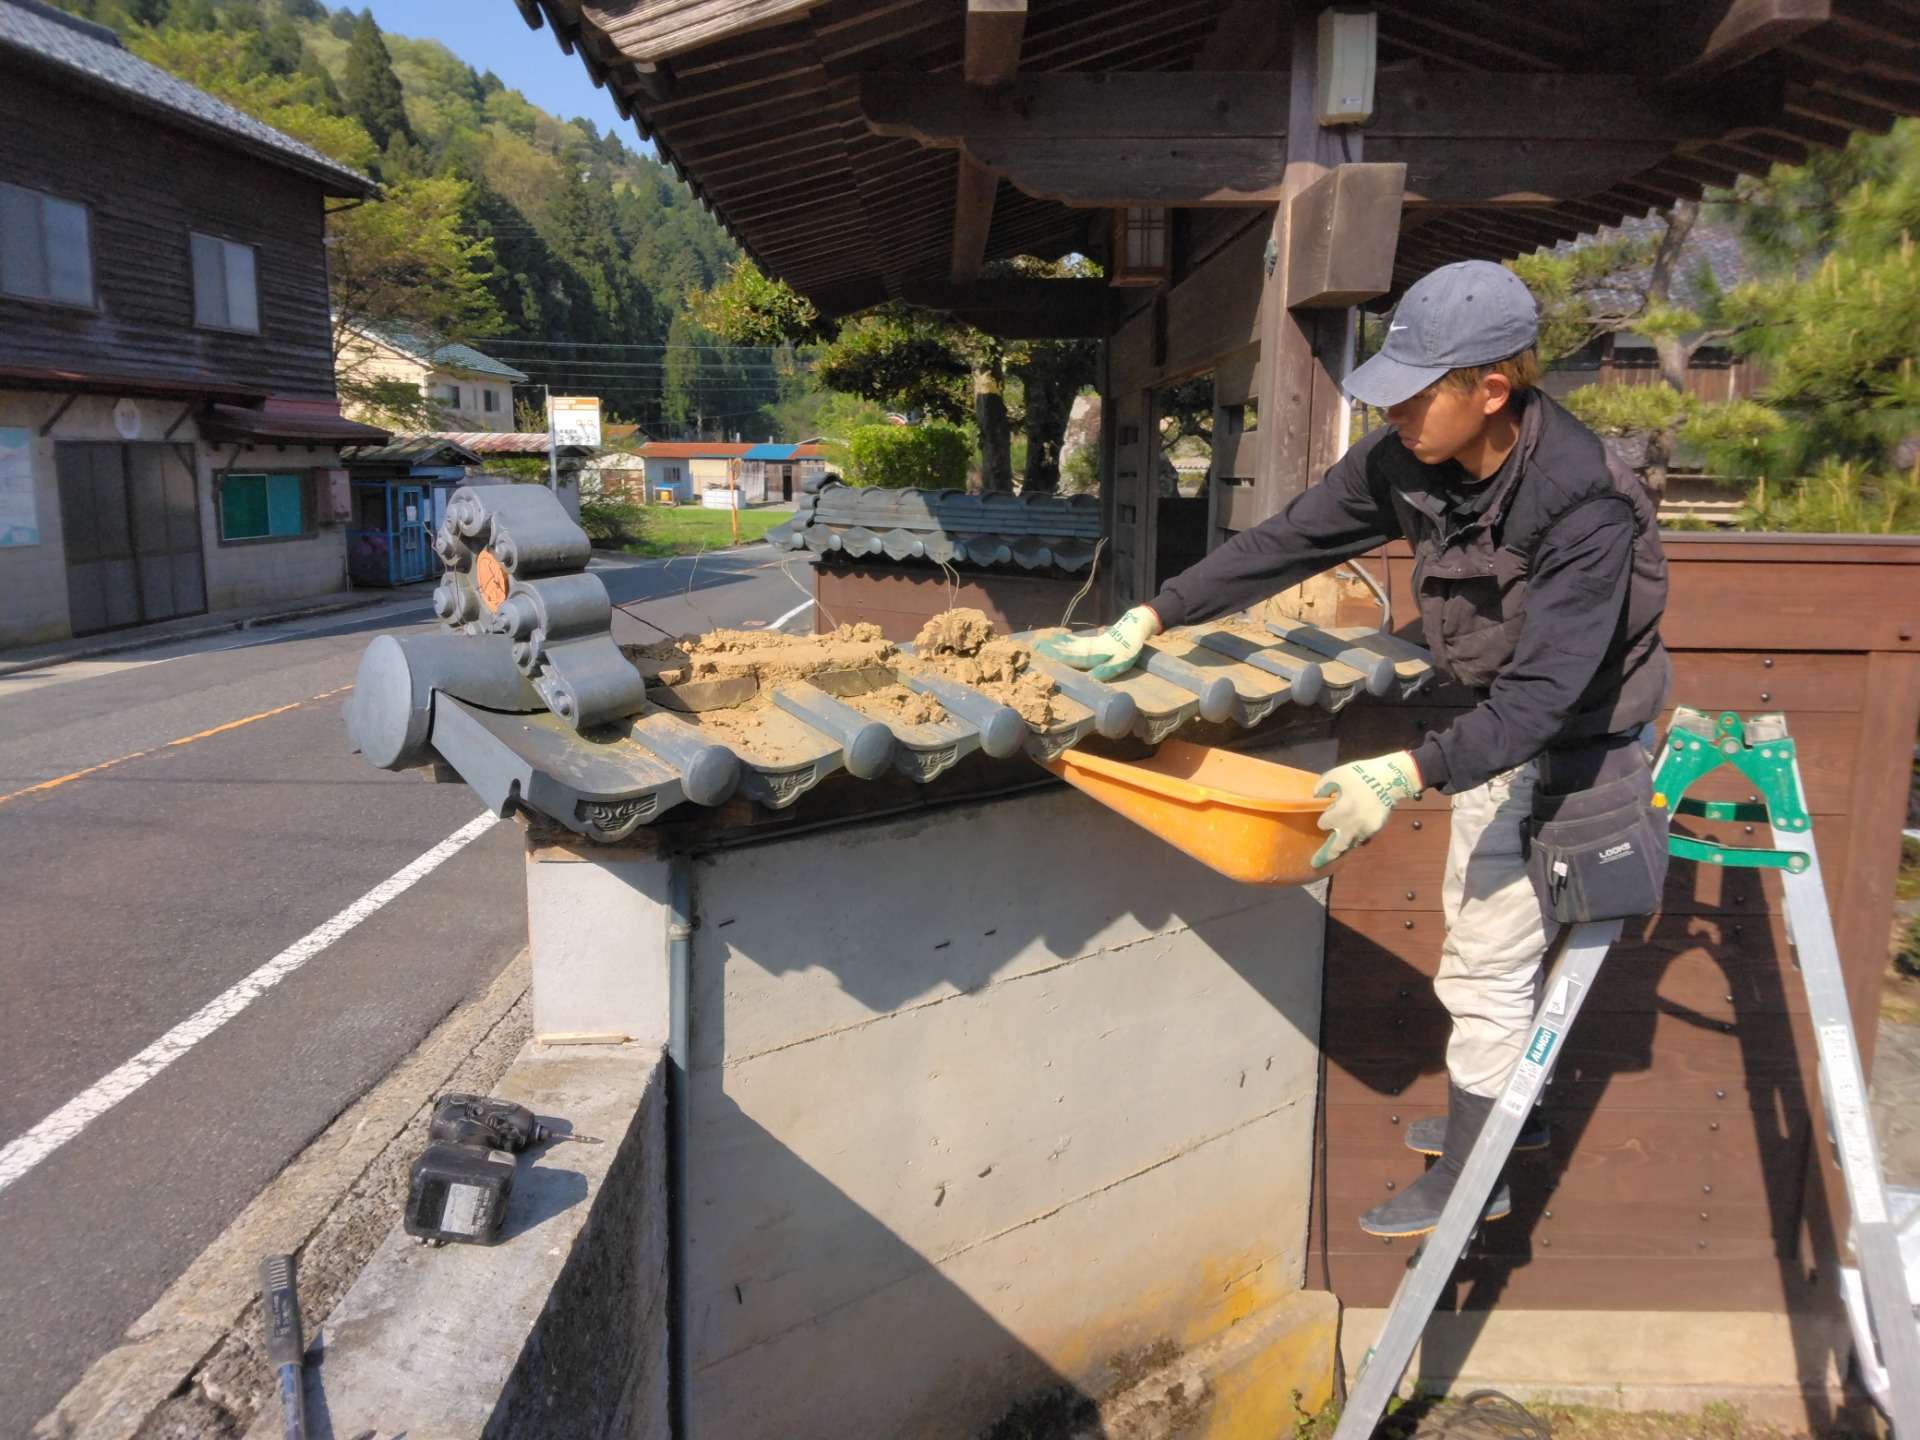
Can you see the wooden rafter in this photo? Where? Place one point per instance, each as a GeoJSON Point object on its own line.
{"type": "Point", "coordinates": [665, 28]}
{"type": "Point", "coordinates": [1727, 33]}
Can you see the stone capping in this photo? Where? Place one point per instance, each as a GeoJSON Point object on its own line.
{"type": "Point", "coordinates": [560, 1331]}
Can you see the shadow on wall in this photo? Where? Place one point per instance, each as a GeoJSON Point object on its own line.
{"type": "Point", "coordinates": [980, 1121]}
{"type": "Point", "coordinates": [1671, 1046]}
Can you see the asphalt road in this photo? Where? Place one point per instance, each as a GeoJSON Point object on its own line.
{"type": "Point", "coordinates": [226, 821]}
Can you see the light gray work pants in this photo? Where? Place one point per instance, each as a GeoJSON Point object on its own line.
{"type": "Point", "coordinates": [1497, 934]}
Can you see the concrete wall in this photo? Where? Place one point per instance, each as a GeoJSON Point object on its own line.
{"type": "Point", "coordinates": [34, 577]}
{"type": "Point", "coordinates": [250, 573]}
{"type": "Point", "coordinates": [264, 572]}
{"type": "Point", "coordinates": [558, 1332]}
{"type": "Point", "coordinates": [984, 1104]}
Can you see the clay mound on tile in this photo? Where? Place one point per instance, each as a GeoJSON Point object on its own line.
{"type": "Point", "coordinates": [767, 655]}
{"type": "Point", "coordinates": [959, 645]}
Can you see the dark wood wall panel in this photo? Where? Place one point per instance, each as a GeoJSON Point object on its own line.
{"type": "Point", "coordinates": [147, 187]}
{"type": "Point", "coordinates": [1682, 1174]}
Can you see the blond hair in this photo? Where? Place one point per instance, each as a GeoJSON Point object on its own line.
{"type": "Point", "coordinates": [1522, 372]}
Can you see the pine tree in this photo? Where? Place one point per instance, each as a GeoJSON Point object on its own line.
{"type": "Point", "coordinates": [147, 12]}
{"type": "Point", "coordinates": [372, 90]}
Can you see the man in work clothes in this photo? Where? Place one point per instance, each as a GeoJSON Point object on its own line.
{"type": "Point", "coordinates": [1540, 581]}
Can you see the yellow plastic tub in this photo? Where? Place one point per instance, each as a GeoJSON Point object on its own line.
{"type": "Point", "coordinates": [1252, 820]}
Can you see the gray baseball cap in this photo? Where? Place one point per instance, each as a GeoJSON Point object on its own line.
{"type": "Point", "coordinates": [1473, 312]}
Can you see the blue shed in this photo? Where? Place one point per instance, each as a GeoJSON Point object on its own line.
{"type": "Point", "coordinates": [400, 492]}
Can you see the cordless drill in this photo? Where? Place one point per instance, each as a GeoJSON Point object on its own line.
{"type": "Point", "coordinates": [459, 1187]}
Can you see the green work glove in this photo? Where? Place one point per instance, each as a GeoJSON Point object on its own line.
{"type": "Point", "coordinates": [1111, 652]}
{"type": "Point", "coordinates": [1365, 792]}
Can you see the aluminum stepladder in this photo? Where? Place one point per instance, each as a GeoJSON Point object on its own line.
{"type": "Point", "coordinates": [1763, 752]}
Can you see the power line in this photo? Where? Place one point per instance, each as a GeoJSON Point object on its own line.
{"type": "Point", "coordinates": [621, 345]}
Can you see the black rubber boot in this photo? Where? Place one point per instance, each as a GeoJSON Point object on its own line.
{"type": "Point", "coordinates": [1416, 1209]}
{"type": "Point", "coordinates": [1428, 1134]}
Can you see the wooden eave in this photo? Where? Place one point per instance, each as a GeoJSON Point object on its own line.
{"type": "Point", "coordinates": [762, 117]}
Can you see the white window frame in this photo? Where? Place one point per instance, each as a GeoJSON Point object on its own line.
{"type": "Point", "coordinates": [239, 279]}
{"type": "Point", "coordinates": [39, 285]}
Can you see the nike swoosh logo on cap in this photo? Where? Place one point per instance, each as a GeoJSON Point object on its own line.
{"type": "Point", "coordinates": [1396, 327]}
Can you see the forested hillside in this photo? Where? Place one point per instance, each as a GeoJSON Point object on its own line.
{"type": "Point", "coordinates": [551, 244]}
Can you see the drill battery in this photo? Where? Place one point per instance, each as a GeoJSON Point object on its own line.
{"type": "Point", "coordinates": [459, 1193]}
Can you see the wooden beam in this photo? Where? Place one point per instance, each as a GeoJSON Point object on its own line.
{"type": "Point", "coordinates": [972, 217]}
{"type": "Point", "coordinates": [1188, 105]}
{"type": "Point", "coordinates": [1726, 33]}
{"type": "Point", "coordinates": [1113, 173]}
{"type": "Point", "coordinates": [1341, 236]}
{"type": "Point", "coordinates": [1248, 36]}
{"type": "Point", "coordinates": [995, 29]}
{"type": "Point", "coordinates": [1300, 410]}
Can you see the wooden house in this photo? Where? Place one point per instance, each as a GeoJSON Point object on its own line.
{"type": "Point", "coordinates": [169, 432]}
{"type": "Point", "coordinates": [1682, 1238]}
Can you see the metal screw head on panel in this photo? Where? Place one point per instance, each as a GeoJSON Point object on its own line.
{"type": "Point", "coordinates": [1706, 1189]}
{"type": "Point", "coordinates": [1767, 662]}
{"type": "Point", "coordinates": [1409, 894]}
{"type": "Point", "coordinates": [1721, 1094]}
{"type": "Point", "coordinates": [1407, 924]}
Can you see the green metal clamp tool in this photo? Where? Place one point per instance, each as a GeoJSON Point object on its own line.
{"type": "Point", "coordinates": [1763, 752]}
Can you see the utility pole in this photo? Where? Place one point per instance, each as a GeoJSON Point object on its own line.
{"type": "Point", "coordinates": [553, 450]}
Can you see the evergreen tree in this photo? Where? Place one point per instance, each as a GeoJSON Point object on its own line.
{"type": "Point", "coordinates": [148, 12]}
{"type": "Point", "coordinates": [372, 90]}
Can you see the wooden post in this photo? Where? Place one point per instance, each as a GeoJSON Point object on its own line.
{"type": "Point", "coordinates": [1299, 398]}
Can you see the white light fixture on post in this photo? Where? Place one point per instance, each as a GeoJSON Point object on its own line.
{"type": "Point", "coordinates": [1349, 51]}
{"type": "Point", "coordinates": [1142, 245]}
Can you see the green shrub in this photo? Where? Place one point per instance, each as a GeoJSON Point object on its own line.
{"type": "Point", "coordinates": [611, 523]}
{"type": "Point", "coordinates": [1628, 409]}
{"type": "Point", "coordinates": [933, 456]}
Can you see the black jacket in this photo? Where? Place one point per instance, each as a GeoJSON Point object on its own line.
{"type": "Point", "coordinates": [1546, 603]}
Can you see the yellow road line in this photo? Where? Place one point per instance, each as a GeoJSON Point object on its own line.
{"type": "Point", "coordinates": [68, 779]}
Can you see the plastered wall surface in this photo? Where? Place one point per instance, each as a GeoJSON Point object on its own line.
{"type": "Point", "coordinates": [985, 1103]}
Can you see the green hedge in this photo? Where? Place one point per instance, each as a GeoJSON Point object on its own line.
{"type": "Point", "coordinates": [934, 456]}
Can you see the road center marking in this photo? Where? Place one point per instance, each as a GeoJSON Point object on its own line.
{"type": "Point", "coordinates": [73, 775]}
{"type": "Point", "coordinates": [803, 605]}
{"type": "Point", "coordinates": [19, 1156]}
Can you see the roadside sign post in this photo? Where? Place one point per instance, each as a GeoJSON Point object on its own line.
{"type": "Point", "coordinates": [571, 420]}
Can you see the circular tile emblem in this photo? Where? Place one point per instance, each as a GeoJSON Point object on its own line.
{"type": "Point", "coordinates": [491, 578]}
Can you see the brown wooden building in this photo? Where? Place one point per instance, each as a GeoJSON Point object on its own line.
{"type": "Point", "coordinates": [169, 432]}
{"type": "Point", "coordinates": [868, 151]}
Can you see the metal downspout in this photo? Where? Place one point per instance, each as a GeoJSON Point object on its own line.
{"type": "Point", "coordinates": [679, 966]}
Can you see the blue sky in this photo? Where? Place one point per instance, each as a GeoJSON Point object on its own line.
{"type": "Point", "coordinates": [490, 35]}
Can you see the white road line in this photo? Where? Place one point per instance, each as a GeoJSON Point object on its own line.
{"type": "Point", "coordinates": [802, 606]}
{"type": "Point", "coordinates": [21, 1155]}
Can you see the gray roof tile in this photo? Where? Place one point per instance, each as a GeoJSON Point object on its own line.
{"type": "Point", "coordinates": [93, 56]}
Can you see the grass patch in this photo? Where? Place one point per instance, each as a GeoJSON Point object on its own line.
{"type": "Point", "coordinates": [1907, 885]}
{"type": "Point", "coordinates": [685, 530]}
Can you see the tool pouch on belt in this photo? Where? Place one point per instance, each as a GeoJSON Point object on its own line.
{"type": "Point", "coordinates": [1597, 850]}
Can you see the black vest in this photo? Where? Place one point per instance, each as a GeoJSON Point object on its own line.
{"type": "Point", "coordinates": [1471, 582]}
